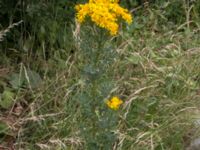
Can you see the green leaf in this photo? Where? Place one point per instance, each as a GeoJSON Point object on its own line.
{"type": "Point", "coordinates": [134, 58]}
{"type": "Point", "coordinates": [16, 80]}
{"type": "Point", "coordinates": [33, 78]}
{"type": "Point", "coordinates": [6, 100]}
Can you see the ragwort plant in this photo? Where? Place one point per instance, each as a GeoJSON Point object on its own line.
{"type": "Point", "coordinates": [96, 99]}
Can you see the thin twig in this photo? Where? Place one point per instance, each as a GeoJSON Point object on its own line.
{"type": "Point", "coordinates": [4, 32]}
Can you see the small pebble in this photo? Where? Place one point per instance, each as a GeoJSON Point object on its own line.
{"type": "Point", "coordinates": [195, 145]}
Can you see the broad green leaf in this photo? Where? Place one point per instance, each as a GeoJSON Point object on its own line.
{"type": "Point", "coordinates": [33, 78]}
{"type": "Point", "coordinates": [16, 80]}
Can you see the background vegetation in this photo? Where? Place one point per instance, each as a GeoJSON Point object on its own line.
{"type": "Point", "coordinates": [156, 72]}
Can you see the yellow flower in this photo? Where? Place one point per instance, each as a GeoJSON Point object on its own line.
{"type": "Point", "coordinates": [104, 13]}
{"type": "Point", "coordinates": [114, 103]}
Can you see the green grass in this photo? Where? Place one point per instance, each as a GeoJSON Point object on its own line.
{"type": "Point", "coordinates": [156, 73]}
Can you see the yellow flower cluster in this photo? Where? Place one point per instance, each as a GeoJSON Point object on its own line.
{"type": "Point", "coordinates": [104, 13]}
{"type": "Point", "coordinates": [114, 103]}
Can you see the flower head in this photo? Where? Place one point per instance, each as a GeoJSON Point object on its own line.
{"type": "Point", "coordinates": [114, 103]}
{"type": "Point", "coordinates": [104, 13]}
